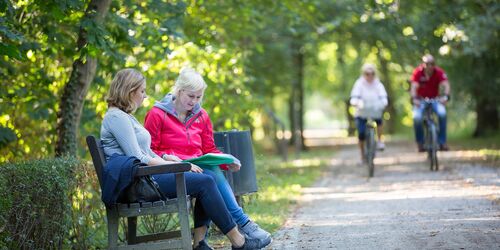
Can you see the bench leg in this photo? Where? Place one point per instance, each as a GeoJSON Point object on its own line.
{"type": "Point", "coordinates": [183, 212]}
{"type": "Point", "coordinates": [112, 228]}
{"type": "Point", "coordinates": [132, 230]}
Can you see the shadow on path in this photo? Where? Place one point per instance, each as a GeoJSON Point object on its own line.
{"type": "Point", "coordinates": [405, 206]}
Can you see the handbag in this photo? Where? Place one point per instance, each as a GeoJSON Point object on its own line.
{"type": "Point", "coordinates": [142, 189]}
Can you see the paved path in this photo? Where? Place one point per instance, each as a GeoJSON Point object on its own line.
{"type": "Point", "coordinates": [405, 206]}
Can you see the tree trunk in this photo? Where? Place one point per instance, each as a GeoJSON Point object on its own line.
{"type": "Point", "coordinates": [76, 88]}
{"type": "Point", "coordinates": [487, 103]}
{"type": "Point", "coordinates": [385, 79]}
{"type": "Point", "coordinates": [291, 116]}
{"type": "Point", "coordinates": [300, 97]}
{"type": "Point", "coordinates": [351, 126]}
{"type": "Point", "coordinates": [487, 116]}
{"type": "Point", "coordinates": [297, 96]}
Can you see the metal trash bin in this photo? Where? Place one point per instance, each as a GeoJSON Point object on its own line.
{"type": "Point", "coordinates": [239, 144]}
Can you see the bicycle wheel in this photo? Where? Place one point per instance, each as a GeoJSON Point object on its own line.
{"type": "Point", "coordinates": [433, 147]}
{"type": "Point", "coordinates": [370, 151]}
{"type": "Point", "coordinates": [427, 144]}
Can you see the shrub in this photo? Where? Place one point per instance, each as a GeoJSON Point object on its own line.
{"type": "Point", "coordinates": [88, 223]}
{"type": "Point", "coordinates": [34, 205]}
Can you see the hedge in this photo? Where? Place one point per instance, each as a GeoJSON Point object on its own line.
{"type": "Point", "coordinates": [35, 209]}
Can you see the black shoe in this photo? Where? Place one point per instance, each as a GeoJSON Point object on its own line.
{"type": "Point", "coordinates": [202, 245]}
{"type": "Point", "coordinates": [252, 244]}
{"type": "Point", "coordinates": [444, 147]}
{"type": "Point", "coordinates": [421, 148]}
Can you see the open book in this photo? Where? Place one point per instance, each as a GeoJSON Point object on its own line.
{"type": "Point", "coordinates": [213, 159]}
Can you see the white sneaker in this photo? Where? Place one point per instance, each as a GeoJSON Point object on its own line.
{"type": "Point", "coordinates": [380, 146]}
{"type": "Point", "coordinates": [253, 231]}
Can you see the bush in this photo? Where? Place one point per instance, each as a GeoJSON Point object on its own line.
{"type": "Point", "coordinates": [34, 205]}
{"type": "Point", "coordinates": [88, 217]}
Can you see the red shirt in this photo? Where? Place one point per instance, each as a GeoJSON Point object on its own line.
{"type": "Point", "coordinates": [185, 140]}
{"type": "Point", "coordinates": [428, 87]}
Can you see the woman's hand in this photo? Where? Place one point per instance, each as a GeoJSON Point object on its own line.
{"type": "Point", "coordinates": [234, 167]}
{"type": "Point", "coordinates": [196, 169]}
{"type": "Point", "coordinates": [171, 158]}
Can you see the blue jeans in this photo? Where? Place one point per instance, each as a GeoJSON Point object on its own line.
{"type": "Point", "coordinates": [361, 126]}
{"type": "Point", "coordinates": [418, 113]}
{"type": "Point", "coordinates": [209, 203]}
{"type": "Point", "coordinates": [228, 196]}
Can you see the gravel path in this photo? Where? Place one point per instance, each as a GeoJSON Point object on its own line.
{"type": "Point", "coordinates": [405, 206]}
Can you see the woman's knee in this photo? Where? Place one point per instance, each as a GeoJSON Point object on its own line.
{"type": "Point", "coordinates": [210, 174]}
{"type": "Point", "coordinates": [207, 179]}
{"type": "Point", "coordinates": [196, 181]}
{"type": "Point", "coordinates": [417, 116]}
{"type": "Point", "coordinates": [441, 111]}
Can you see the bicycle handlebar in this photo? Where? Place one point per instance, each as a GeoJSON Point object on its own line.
{"type": "Point", "coordinates": [434, 99]}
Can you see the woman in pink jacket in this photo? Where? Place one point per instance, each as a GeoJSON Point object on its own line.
{"type": "Point", "coordinates": [181, 129]}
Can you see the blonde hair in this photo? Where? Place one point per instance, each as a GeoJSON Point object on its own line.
{"type": "Point", "coordinates": [368, 67]}
{"type": "Point", "coordinates": [190, 80]}
{"type": "Point", "coordinates": [125, 83]}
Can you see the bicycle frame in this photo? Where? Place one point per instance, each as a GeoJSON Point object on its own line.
{"type": "Point", "coordinates": [370, 145]}
{"type": "Point", "coordinates": [430, 132]}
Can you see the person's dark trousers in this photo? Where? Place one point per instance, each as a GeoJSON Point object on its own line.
{"type": "Point", "coordinates": [209, 203]}
{"type": "Point", "coordinates": [361, 126]}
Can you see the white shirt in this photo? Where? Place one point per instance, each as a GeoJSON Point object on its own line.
{"type": "Point", "coordinates": [370, 99]}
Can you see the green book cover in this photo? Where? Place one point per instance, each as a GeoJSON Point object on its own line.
{"type": "Point", "coordinates": [212, 159]}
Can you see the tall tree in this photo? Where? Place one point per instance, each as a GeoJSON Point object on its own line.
{"type": "Point", "coordinates": [84, 69]}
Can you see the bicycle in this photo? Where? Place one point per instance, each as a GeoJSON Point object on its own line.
{"type": "Point", "coordinates": [431, 145]}
{"type": "Point", "coordinates": [370, 145]}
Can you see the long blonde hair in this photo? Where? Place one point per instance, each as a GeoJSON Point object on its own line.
{"type": "Point", "coordinates": [189, 79]}
{"type": "Point", "coordinates": [125, 83]}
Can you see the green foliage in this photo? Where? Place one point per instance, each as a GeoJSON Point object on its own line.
{"type": "Point", "coordinates": [34, 202]}
{"type": "Point", "coordinates": [6, 136]}
{"type": "Point", "coordinates": [87, 220]}
{"type": "Point", "coordinates": [245, 50]}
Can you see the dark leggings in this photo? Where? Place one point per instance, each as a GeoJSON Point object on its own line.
{"type": "Point", "coordinates": [361, 125]}
{"type": "Point", "coordinates": [209, 203]}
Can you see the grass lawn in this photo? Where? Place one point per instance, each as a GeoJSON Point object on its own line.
{"type": "Point", "coordinates": [487, 146]}
{"type": "Point", "coordinates": [280, 185]}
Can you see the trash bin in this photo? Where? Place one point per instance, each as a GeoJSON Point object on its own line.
{"type": "Point", "coordinates": [239, 144]}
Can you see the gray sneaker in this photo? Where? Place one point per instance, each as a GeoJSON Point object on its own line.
{"type": "Point", "coordinates": [253, 231]}
{"type": "Point", "coordinates": [252, 244]}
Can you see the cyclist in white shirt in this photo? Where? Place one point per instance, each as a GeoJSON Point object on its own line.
{"type": "Point", "coordinates": [369, 97]}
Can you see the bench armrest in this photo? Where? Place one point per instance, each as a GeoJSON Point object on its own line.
{"type": "Point", "coordinates": [163, 169]}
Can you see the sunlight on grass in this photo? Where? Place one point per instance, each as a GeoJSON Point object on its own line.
{"type": "Point", "coordinates": [305, 162]}
{"type": "Point", "coordinates": [490, 152]}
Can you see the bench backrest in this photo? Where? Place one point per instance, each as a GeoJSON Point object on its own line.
{"type": "Point", "coordinates": [97, 155]}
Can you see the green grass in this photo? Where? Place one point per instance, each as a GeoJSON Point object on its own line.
{"type": "Point", "coordinates": [491, 142]}
{"type": "Point", "coordinates": [487, 146]}
{"type": "Point", "coordinates": [280, 185]}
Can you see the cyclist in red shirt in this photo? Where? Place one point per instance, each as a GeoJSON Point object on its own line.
{"type": "Point", "coordinates": [426, 81]}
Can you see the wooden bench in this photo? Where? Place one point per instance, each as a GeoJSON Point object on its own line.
{"type": "Point", "coordinates": [180, 205]}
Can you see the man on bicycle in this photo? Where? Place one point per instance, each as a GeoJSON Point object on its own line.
{"type": "Point", "coordinates": [369, 97]}
{"type": "Point", "coordinates": [426, 81]}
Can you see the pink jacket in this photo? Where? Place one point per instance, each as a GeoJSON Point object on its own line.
{"type": "Point", "coordinates": [171, 136]}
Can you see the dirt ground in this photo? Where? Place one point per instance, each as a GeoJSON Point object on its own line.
{"type": "Point", "coordinates": [405, 206]}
